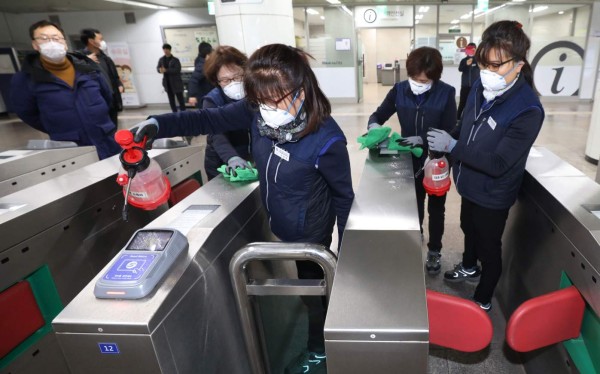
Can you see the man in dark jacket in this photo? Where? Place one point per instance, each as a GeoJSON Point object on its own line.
{"type": "Point", "coordinates": [199, 86]}
{"type": "Point", "coordinates": [170, 67]}
{"type": "Point", "coordinates": [95, 48]}
{"type": "Point", "coordinates": [470, 74]}
{"type": "Point", "coordinates": [63, 94]}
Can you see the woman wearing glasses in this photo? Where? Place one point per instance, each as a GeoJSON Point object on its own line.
{"type": "Point", "coordinates": [63, 94]}
{"type": "Point", "coordinates": [501, 120]}
{"type": "Point", "coordinates": [225, 70]}
{"type": "Point", "coordinates": [300, 154]}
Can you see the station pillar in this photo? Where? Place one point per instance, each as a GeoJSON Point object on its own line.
{"type": "Point", "coordinates": [250, 24]}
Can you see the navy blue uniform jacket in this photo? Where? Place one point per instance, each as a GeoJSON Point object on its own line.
{"type": "Point", "coordinates": [221, 147]}
{"type": "Point", "coordinates": [435, 108]}
{"type": "Point", "coordinates": [493, 144]}
{"type": "Point", "coordinates": [78, 114]}
{"type": "Point", "coordinates": [304, 194]}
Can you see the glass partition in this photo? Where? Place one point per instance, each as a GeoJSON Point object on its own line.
{"type": "Point", "coordinates": [455, 19]}
{"type": "Point", "coordinates": [300, 28]}
{"type": "Point", "coordinates": [425, 26]}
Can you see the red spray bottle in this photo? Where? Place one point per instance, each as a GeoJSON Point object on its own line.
{"type": "Point", "coordinates": [437, 174]}
{"type": "Point", "coordinates": [144, 184]}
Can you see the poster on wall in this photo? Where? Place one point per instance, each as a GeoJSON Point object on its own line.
{"type": "Point", "coordinates": [119, 52]}
{"type": "Point", "coordinates": [184, 41]}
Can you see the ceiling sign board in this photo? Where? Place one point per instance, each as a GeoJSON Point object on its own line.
{"type": "Point", "coordinates": [383, 16]}
{"type": "Point", "coordinates": [241, 1]}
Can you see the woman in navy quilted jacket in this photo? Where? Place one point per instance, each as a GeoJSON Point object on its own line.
{"type": "Point", "coordinates": [301, 157]}
{"type": "Point", "coordinates": [421, 102]}
{"type": "Point", "coordinates": [501, 120]}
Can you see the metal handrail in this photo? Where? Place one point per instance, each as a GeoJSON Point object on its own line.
{"type": "Point", "coordinates": [243, 287]}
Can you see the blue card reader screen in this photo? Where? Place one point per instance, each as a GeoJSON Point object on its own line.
{"type": "Point", "coordinates": [150, 240]}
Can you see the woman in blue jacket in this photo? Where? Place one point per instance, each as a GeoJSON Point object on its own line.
{"type": "Point", "coordinates": [501, 120]}
{"type": "Point", "coordinates": [421, 102]}
{"type": "Point", "coordinates": [225, 69]}
{"type": "Point", "coordinates": [300, 153]}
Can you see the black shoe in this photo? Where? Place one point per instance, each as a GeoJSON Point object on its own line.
{"type": "Point", "coordinates": [460, 274]}
{"type": "Point", "coordinates": [486, 307]}
{"type": "Point", "coordinates": [432, 265]}
{"type": "Point", "coordinates": [307, 362]}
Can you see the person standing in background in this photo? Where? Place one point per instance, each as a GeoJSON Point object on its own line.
{"type": "Point", "coordinates": [170, 67]}
{"type": "Point", "coordinates": [199, 85]}
{"type": "Point", "coordinates": [470, 74]}
{"type": "Point", "coordinates": [225, 68]}
{"type": "Point", "coordinates": [95, 49]}
{"type": "Point", "coordinates": [64, 95]}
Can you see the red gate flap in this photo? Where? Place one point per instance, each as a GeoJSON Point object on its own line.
{"type": "Point", "coordinates": [546, 320]}
{"type": "Point", "coordinates": [20, 316]}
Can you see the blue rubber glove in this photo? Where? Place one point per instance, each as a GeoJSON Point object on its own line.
{"type": "Point", "coordinates": [411, 141]}
{"type": "Point", "coordinates": [236, 162]}
{"type": "Point", "coordinates": [147, 128]}
{"type": "Point", "coordinates": [440, 141]}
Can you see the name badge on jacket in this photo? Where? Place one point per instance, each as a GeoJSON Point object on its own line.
{"type": "Point", "coordinates": [492, 123]}
{"type": "Point", "coordinates": [282, 153]}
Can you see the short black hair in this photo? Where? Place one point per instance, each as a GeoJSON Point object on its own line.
{"type": "Point", "coordinates": [167, 46]}
{"type": "Point", "coordinates": [44, 23]}
{"type": "Point", "coordinates": [87, 34]}
{"type": "Point", "coordinates": [472, 45]}
{"type": "Point", "coordinates": [204, 49]}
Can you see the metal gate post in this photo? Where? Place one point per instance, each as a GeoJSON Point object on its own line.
{"type": "Point", "coordinates": [244, 287]}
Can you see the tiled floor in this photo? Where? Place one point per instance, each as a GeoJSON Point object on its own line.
{"type": "Point", "coordinates": [564, 132]}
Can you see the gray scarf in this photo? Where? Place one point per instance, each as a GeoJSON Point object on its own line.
{"type": "Point", "coordinates": [287, 133]}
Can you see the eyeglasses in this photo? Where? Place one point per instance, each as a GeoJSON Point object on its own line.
{"type": "Point", "coordinates": [494, 66]}
{"type": "Point", "coordinates": [46, 38]}
{"type": "Point", "coordinates": [226, 81]}
{"type": "Point", "coordinates": [274, 105]}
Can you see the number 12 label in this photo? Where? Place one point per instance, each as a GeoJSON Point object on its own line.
{"type": "Point", "coordinates": [108, 348]}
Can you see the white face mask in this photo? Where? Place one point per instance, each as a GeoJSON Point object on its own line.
{"type": "Point", "coordinates": [235, 90]}
{"type": "Point", "coordinates": [103, 46]}
{"type": "Point", "coordinates": [419, 88]}
{"type": "Point", "coordinates": [53, 51]}
{"type": "Point", "coordinates": [276, 118]}
{"type": "Point", "coordinates": [494, 83]}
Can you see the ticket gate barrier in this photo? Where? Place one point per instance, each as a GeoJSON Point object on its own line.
{"type": "Point", "coordinates": [552, 241]}
{"type": "Point", "coordinates": [22, 168]}
{"type": "Point", "coordinates": [377, 316]}
{"type": "Point", "coordinates": [71, 225]}
{"type": "Point", "coordinates": [245, 288]}
{"type": "Point", "coordinates": [189, 323]}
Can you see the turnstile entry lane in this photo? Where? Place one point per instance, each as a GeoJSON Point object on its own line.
{"type": "Point", "coordinates": [60, 233]}
{"type": "Point", "coordinates": [22, 168]}
{"type": "Point", "coordinates": [189, 323]}
{"type": "Point", "coordinates": [377, 316]}
{"type": "Point", "coordinates": [552, 234]}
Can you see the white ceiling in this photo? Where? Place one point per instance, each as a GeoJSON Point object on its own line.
{"type": "Point", "coordinates": [49, 6]}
